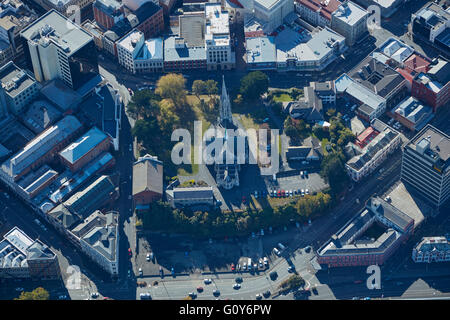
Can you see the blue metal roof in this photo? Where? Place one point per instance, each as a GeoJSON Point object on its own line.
{"type": "Point", "coordinates": [83, 145]}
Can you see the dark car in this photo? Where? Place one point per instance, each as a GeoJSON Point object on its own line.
{"type": "Point", "coordinates": [273, 275]}
{"type": "Point", "coordinates": [238, 280]}
{"type": "Point", "coordinates": [266, 294]}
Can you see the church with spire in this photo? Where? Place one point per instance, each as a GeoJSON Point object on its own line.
{"type": "Point", "coordinates": [227, 174]}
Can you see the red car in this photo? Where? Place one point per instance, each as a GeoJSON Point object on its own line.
{"type": "Point", "coordinates": [283, 193]}
{"type": "Point", "coordinates": [129, 252]}
{"type": "Point", "coordinates": [199, 289]}
{"type": "Point", "coordinates": [279, 193]}
{"type": "Point", "coordinates": [233, 267]}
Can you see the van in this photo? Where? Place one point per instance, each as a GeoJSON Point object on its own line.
{"type": "Point", "coordinates": [276, 251]}
{"type": "Point", "coordinates": [281, 246]}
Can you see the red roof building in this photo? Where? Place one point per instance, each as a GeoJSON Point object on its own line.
{"type": "Point", "coordinates": [417, 63]}
{"type": "Point", "coordinates": [317, 12]}
{"type": "Point", "coordinates": [365, 137]}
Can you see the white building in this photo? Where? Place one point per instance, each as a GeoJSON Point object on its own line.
{"type": "Point", "coordinates": [350, 20]}
{"type": "Point", "coordinates": [316, 54]}
{"type": "Point", "coordinates": [139, 55]}
{"type": "Point", "coordinates": [17, 90]}
{"type": "Point", "coordinates": [98, 235]}
{"type": "Point", "coordinates": [60, 49]}
{"type": "Point", "coordinates": [368, 158]}
{"type": "Point", "coordinates": [219, 55]}
{"type": "Point", "coordinates": [272, 12]}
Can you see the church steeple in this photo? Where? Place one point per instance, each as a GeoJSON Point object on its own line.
{"type": "Point", "coordinates": [225, 106]}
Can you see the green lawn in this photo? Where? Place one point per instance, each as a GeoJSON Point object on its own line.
{"type": "Point", "coordinates": [283, 97]}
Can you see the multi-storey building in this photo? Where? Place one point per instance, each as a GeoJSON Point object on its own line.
{"type": "Point", "coordinates": [107, 13]}
{"type": "Point", "coordinates": [317, 12]}
{"type": "Point", "coordinates": [431, 24]}
{"type": "Point", "coordinates": [40, 150]}
{"type": "Point", "coordinates": [371, 150]}
{"type": "Point", "coordinates": [219, 55]}
{"type": "Point", "coordinates": [147, 18]}
{"type": "Point", "coordinates": [21, 257]}
{"type": "Point", "coordinates": [432, 249]}
{"type": "Point", "coordinates": [350, 20]}
{"type": "Point", "coordinates": [85, 149]}
{"type": "Point", "coordinates": [272, 12]}
{"type": "Point", "coordinates": [18, 88]}
{"type": "Point", "coordinates": [351, 247]}
{"type": "Point", "coordinates": [14, 17]}
{"type": "Point", "coordinates": [98, 237]}
{"type": "Point", "coordinates": [139, 55]}
{"type": "Point", "coordinates": [59, 49]}
{"type": "Point", "coordinates": [381, 80]}
{"type": "Point", "coordinates": [433, 87]}
{"type": "Point", "coordinates": [65, 7]}
{"type": "Point", "coordinates": [412, 114]}
{"type": "Point", "coordinates": [425, 165]}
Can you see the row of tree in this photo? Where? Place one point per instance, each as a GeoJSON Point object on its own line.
{"type": "Point", "coordinates": [214, 223]}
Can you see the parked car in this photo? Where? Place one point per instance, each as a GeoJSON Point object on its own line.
{"type": "Point", "coordinates": [145, 296]}
{"type": "Point", "coordinates": [266, 294]}
{"type": "Point", "coordinates": [216, 293]}
{"type": "Point", "coordinates": [140, 272]}
{"type": "Point", "coordinates": [193, 295]}
{"type": "Point", "coordinates": [258, 296]}
{"type": "Point", "coordinates": [276, 251]}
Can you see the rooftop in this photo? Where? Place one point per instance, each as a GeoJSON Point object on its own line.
{"type": "Point", "coordinates": [415, 111]}
{"type": "Point", "coordinates": [148, 175]}
{"type": "Point", "coordinates": [84, 202]}
{"type": "Point", "coordinates": [15, 80]}
{"type": "Point", "coordinates": [368, 98]}
{"type": "Point", "coordinates": [176, 50]}
{"type": "Point", "coordinates": [434, 140]}
{"type": "Point", "coordinates": [78, 149]}
{"type": "Point", "coordinates": [261, 50]}
{"type": "Point", "coordinates": [396, 49]}
{"type": "Point", "coordinates": [417, 63]}
{"type": "Point", "coordinates": [192, 193]}
{"type": "Point", "coordinates": [326, 7]}
{"type": "Point", "coordinates": [350, 13]}
{"type": "Point", "coordinates": [376, 76]}
{"type": "Point", "coordinates": [367, 153]}
{"type": "Point", "coordinates": [40, 115]}
{"type": "Point", "coordinates": [55, 28]}
{"type": "Point", "coordinates": [433, 243]}
{"type": "Point", "coordinates": [40, 145]}
{"type": "Point", "coordinates": [100, 231]}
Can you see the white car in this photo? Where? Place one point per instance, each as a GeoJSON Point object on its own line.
{"type": "Point", "coordinates": [236, 286]}
{"type": "Point", "coordinates": [207, 281]}
{"type": "Point", "coordinates": [303, 192]}
{"type": "Point", "coordinates": [148, 257]}
{"type": "Point", "coordinates": [140, 271]}
{"type": "Point", "coordinates": [256, 194]}
{"type": "Point", "coordinates": [306, 191]}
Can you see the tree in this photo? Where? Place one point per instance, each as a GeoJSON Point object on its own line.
{"type": "Point", "coordinates": [37, 294]}
{"type": "Point", "coordinates": [211, 87]}
{"type": "Point", "coordinates": [333, 171]}
{"type": "Point", "coordinates": [253, 85]}
{"type": "Point", "coordinates": [144, 103]}
{"type": "Point", "coordinates": [172, 86]}
{"type": "Point", "coordinates": [199, 88]}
